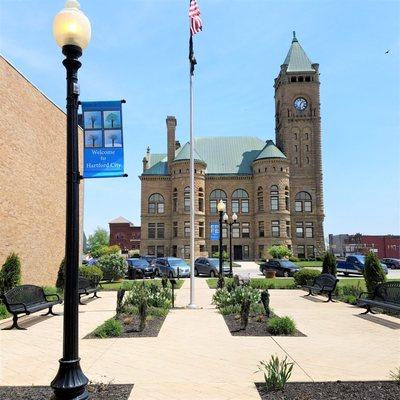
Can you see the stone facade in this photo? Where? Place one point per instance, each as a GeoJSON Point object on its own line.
{"type": "Point", "coordinates": [279, 197]}
{"type": "Point", "coordinates": [32, 177]}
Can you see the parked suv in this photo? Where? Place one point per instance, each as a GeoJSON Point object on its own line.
{"type": "Point", "coordinates": [209, 267]}
{"type": "Point", "coordinates": [139, 268]}
{"type": "Point", "coordinates": [170, 265]}
{"type": "Point", "coordinates": [282, 267]}
{"type": "Point", "coordinates": [393, 263]}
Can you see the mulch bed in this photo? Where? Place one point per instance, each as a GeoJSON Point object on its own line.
{"type": "Point", "coordinates": [256, 327]}
{"type": "Point", "coordinates": [96, 391]}
{"type": "Point", "coordinates": [333, 391]}
{"type": "Point", "coordinates": [131, 329]}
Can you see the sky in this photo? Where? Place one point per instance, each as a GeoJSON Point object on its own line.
{"type": "Point", "coordinates": [139, 50]}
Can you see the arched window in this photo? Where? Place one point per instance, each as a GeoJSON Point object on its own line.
{"type": "Point", "coordinates": [201, 199]}
{"type": "Point", "coordinates": [156, 204]}
{"type": "Point", "coordinates": [215, 196]}
{"type": "Point", "coordinates": [303, 202]}
{"type": "Point", "coordinates": [175, 200]}
{"type": "Point", "coordinates": [260, 199]}
{"type": "Point", "coordinates": [240, 201]}
{"type": "Point", "coordinates": [186, 198]}
{"type": "Point", "coordinates": [287, 202]}
{"type": "Point", "coordinates": [274, 198]}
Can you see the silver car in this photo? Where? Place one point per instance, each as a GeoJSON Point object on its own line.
{"type": "Point", "coordinates": [209, 267]}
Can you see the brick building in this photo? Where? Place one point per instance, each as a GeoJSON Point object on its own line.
{"type": "Point", "coordinates": [32, 177]}
{"type": "Point", "coordinates": [125, 234]}
{"type": "Point", "coordinates": [276, 190]}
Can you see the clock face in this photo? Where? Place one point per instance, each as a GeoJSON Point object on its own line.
{"type": "Point", "coordinates": [300, 104]}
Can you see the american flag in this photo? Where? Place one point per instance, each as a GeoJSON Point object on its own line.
{"type": "Point", "coordinates": [196, 25]}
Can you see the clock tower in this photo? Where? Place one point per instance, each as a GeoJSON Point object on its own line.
{"type": "Point", "coordinates": [298, 135]}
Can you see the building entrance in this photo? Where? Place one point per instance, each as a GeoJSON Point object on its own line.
{"type": "Point", "coordinates": [237, 252]}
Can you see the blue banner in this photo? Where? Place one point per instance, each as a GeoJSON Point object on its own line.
{"type": "Point", "coordinates": [214, 231]}
{"type": "Point", "coordinates": [103, 139]}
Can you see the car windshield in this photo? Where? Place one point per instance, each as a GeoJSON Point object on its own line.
{"type": "Point", "coordinates": [177, 262]}
{"type": "Point", "coordinates": [361, 259]}
{"type": "Point", "coordinates": [214, 261]}
{"type": "Point", "coordinates": [288, 264]}
{"type": "Point", "coordinates": [139, 262]}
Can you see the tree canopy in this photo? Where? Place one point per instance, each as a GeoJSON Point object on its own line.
{"type": "Point", "coordinates": [99, 238]}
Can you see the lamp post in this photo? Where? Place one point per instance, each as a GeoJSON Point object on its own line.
{"type": "Point", "coordinates": [226, 220]}
{"type": "Point", "coordinates": [72, 31]}
{"type": "Point", "coordinates": [221, 210]}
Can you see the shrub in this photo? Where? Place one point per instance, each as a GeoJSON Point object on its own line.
{"type": "Point", "coordinates": [223, 297]}
{"type": "Point", "coordinates": [225, 255]}
{"type": "Point", "coordinates": [395, 375]}
{"type": "Point", "coordinates": [110, 328]}
{"type": "Point", "coordinates": [113, 266]}
{"type": "Point", "coordinates": [281, 326]}
{"type": "Point", "coordinates": [294, 259]}
{"type": "Point", "coordinates": [280, 251]}
{"type": "Point", "coordinates": [155, 296]}
{"type": "Point", "coordinates": [101, 251]}
{"type": "Point", "coordinates": [3, 311]}
{"type": "Point", "coordinates": [61, 275]}
{"type": "Point", "coordinates": [276, 373]}
{"type": "Point", "coordinates": [91, 272]}
{"type": "Point", "coordinates": [349, 298]}
{"type": "Point", "coordinates": [305, 276]}
{"type": "Point", "coordinates": [373, 272]}
{"type": "Point", "coordinates": [329, 264]}
{"type": "Point", "coordinates": [10, 274]}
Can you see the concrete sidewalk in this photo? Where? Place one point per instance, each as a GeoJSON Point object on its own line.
{"type": "Point", "coordinates": [195, 356]}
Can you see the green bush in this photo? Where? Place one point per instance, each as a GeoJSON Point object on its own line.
{"type": "Point", "coordinates": [329, 264]}
{"type": "Point", "coordinates": [225, 256]}
{"type": "Point", "coordinates": [349, 298]}
{"type": "Point", "coordinates": [276, 373]}
{"type": "Point", "coordinates": [101, 251]}
{"type": "Point", "coordinates": [61, 275]}
{"type": "Point", "coordinates": [156, 297]}
{"type": "Point", "coordinates": [281, 326]}
{"type": "Point", "coordinates": [113, 266]}
{"type": "Point", "coordinates": [373, 272]}
{"type": "Point", "coordinates": [294, 259]}
{"type": "Point", "coordinates": [3, 311]}
{"type": "Point", "coordinates": [280, 251]}
{"type": "Point", "coordinates": [305, 276]}
{"type": "Point", "coordinates": [110, 328]}
{"type": "Point", "coordinates": [10, 274]}
{"type": "Point", "coordinates": [91, 272]}
{"type": "Point", "coordinates": [235, 297]}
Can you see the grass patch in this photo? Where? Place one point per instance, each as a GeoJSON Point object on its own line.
{"type": "Point", "coordinates": [129, 284]}
{"type": "Point", "coordinates": [152, 311]}
{"type": "Point", "coordinates": [260, 283]}
{"type": "Point", "coordinates": [110, 328]}
{"type": "Point", "coordinates": [305, 264]}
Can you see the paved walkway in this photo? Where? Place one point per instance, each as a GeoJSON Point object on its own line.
{"type": "Point", "coordinates": [195, 357]}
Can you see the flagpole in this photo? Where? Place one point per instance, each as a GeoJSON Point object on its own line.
{"type": "Point", "coordinates": [192, 303]}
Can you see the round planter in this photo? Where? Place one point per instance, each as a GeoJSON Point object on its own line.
{"type": "Point", "coordinates": [270, 274]}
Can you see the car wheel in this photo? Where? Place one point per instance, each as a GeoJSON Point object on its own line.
{"type": "Point", "coordinates": [212, 274]}
{"type": "Point", "coordinates": [196, 272]}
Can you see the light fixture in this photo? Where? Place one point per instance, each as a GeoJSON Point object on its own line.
{"type": "Point", "coordinates": [226, 217]}
{"type": "Point", "coordinates": [221, 206]}
{"type": "Point", "coordinates": [234, 217]}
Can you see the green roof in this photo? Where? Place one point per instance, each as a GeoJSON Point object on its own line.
{"type": "Point", "coordinates": [270, 151]}
{"type": "Point", "coordinates": [224, 155]}
{"type": "Point", "coordinates": [296, 59]}
{"type": "Point", "coordinates": [184, 154]}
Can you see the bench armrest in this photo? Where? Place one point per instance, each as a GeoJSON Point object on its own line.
{"type": "Point", "coordinates": [363, 293]}
{"type": "Point", "coordinates": [52, 294]}
{"type": "Point", "coordinates": [19, 304]}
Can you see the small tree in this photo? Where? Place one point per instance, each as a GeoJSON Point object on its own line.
{"type": "Point", "coordinates": [99, 238]}
{"type": "Point", "coordinates": [329, 264]}
{"type": "Point", "coordinates": [10, 274]}
{"type": "Point", "coordinates": [113, 266]}
{"type": "Point", "coordinates": [280, 251]}
{"type": "Point", "coordinates": [373, 272]}
{"type": "Point", "coordinates": [61, 275]}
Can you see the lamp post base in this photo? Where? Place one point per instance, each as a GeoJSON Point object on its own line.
{"type": "Point", "coordinates": [70, 382]}
{"type": "Point", "coordinates": [192, 306]}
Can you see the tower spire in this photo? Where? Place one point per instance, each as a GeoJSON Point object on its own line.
{"type": "Point", "coordinates": [294, 37]}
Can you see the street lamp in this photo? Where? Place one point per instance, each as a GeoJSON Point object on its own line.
{"type": "Point", "coordinates": [72, 31]}
{"type": "Point", "coordinates": [221, 210]}
{"type": "Point", "coordinates": [226, 220]}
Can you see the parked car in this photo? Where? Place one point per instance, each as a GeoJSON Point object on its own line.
{"type": "Point", "coordinates": [354, 265]}
{"type": "Point", "coordinates": [209, 267]}
{"type": "Point", "coordinates": [393, 263]}
{"type": "Point", "coordinates": [150, 259]}
{"type": "Point", "coordinates": [170, 265]}
{"type": "Point", "coordinates": [139, 268]}
{"type": "Point", "coordinates": [282, 267]}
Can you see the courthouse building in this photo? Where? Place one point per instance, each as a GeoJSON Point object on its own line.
{"type": "Point", "coordinates": [274, 188]}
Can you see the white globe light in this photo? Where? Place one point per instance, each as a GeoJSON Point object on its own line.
{"type": "Point", "coordinates": [71, 26]}
{"type": "Point", "coordinates": [221, 206]}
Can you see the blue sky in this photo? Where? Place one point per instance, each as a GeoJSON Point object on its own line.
{"type": "Point", "coordinates": [139, 52]}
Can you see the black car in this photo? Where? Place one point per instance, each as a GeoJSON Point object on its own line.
{"type": "Point", "coordinates": [393, 263]}
{"type": "Point", "coordinates": [150, 259]}
{"type": "Point", "coordinates": [139, 268]}
{"type": "Point", "coordinates": [282, 267]}
{"type": "Point", "coordinates": [210, 267]}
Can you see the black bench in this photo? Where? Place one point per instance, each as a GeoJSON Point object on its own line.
{"type": "Point", "coordinates": [324, 283]}
{"type": "Point", "coordinates": [385, 296]}
{"type": "Point", "coordinates": [28, 299]}
{"type": "Point", "coordinates": [86, 287]}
